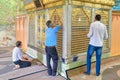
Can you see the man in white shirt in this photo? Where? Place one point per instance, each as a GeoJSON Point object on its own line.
{"type": "Point", "coordinates": [97, 34]}
{"type": "Point", "coordinates": [18, 58]}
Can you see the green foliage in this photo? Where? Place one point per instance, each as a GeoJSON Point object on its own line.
{"type": "Point", "coordinates": [8, 10]}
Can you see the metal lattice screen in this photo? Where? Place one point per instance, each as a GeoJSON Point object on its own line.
{"type": "Point", "coordinates": [81, 19]}
{"type": "Point", "coordinates": [55, 15]}
{"type": "Point", "coordinates": [41, 26]}
{"type": "Point", "coordinates": [80, 27]}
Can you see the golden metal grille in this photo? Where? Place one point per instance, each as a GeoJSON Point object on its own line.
{"type": "Point", "coordinates": [80, 27]}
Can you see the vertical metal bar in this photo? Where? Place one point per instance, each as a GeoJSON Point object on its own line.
{"type": "Point", "coordinates": [67, 9]}
{"type": "Point", "coordinates": [69, 28]}
{"type": "Point", "coordinates": [47, 14]}
{"type": "Point", "coordinates": [40, 29]}
{"type": "Point", "coordinates": [93, 14]}
{"type": "Point", "coordinates": [64, 53]}
{"type": "Point", "coordinates": [35, 29]}
{"type": "Point", "coordinates": [110, 28]}
{"type": "Point", "coordinates": [27, 28]}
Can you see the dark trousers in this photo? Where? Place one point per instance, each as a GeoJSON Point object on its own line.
{"type": "Point", "coordinates": [22, 64]}
{"type": "Point", "coordinates": [51, 53]}
{"type": "Point", "coordinates": [90, 52]}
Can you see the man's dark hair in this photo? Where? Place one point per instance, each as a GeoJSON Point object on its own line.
{"type": "Point", "coordinates": [18, 43]}
{"type": "Point", "coordinates": [48, 23]}
{"type": "Point", "coordinates": [98, 17]}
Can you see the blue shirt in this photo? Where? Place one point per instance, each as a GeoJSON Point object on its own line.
{"type": "Point", "coordinates": [51, 36]}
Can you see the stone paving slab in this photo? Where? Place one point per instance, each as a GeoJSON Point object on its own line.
{"type": "Point", "coordinates": [6, 63]}
{"type": "Point", "coordinates": [6, 66]}
{"type": "Point", "coordinates": [41, 76]}
{"type": "Point", "coordinates": [22, 71]}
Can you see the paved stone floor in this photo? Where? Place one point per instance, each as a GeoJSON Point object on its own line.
{"type": "Point", "coordinates": [35, 72]}
{"type": "Point", "coordinates": [6, 64]}
{"type": "Point", "coordinates": [110, 70]}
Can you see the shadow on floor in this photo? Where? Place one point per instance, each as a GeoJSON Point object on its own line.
{"type": "Point", "coordinates": [112, 73]}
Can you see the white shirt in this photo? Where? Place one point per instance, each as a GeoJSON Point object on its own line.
{"type": "Point", "coordinates": [97, 33]}
{"type": "Point", "coordinates": [16, 54]}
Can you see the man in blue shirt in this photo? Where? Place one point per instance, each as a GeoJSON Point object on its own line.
{"type": "Point", "coordinates": [50, 43]}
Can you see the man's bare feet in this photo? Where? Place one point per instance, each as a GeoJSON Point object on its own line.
{"type": "Point", "coordinates": [16, 67]}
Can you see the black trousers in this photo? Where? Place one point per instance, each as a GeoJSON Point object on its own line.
{"type": "Point", "coordinates": [51, 53]}
{"type": "Point", "coordinates": [23, 63]}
